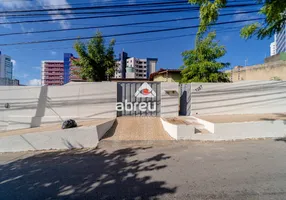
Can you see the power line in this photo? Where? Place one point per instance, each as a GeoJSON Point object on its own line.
{"type": "Point", "coordinates": [97, 12]}
{"type": "Point", "coordinates": [124, 34]}
{"type": "Point", "coordinates": [96, 3]}
{"type": "Point", "coordinates": [222, 29]}
{"type": "Point", "coordinates": [95, 7]}
{"type": "Point", "coordinates": [187, 7]}
{"type": "Point", "coordinates": [91, 17]}
{"type": "Point", "coordinates": [117, 25]}
{"type": "Point", "coordinates": [101, 16]}
{"type": "Point", "coordinates": [101, 12]}
{"type": "Point", "coordinates": [117, 6]}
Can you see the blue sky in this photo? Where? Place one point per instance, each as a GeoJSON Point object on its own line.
{"type": "Point", "coordinates": [27, 58]}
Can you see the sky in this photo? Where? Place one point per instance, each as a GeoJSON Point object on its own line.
{"type": "Point", "coordinates": [27, 58]}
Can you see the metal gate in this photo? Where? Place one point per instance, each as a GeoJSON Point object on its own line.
{"type": "Point", "coordinates": [185, 99]}
{"type": "Point", "coordinates": [138, 99]}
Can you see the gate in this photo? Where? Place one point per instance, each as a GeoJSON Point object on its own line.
{"type": "Point", "coordinates": [138, 99]}
{"type": "Point", "coordinates": [185, 99]}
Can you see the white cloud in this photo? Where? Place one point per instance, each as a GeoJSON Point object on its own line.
{"type": "Point", "coordinates": [34, 82]}
{"type": "Point", "coordinates": [55, 4]}
{"type": "Point", "coordinates": [14, 4]}
{"type": "Point", "coordinates": [53, 53]}
{"type": "Point", "coordinates": [24, 75]}
{"type": "Point", "coordinates": [226, 38]}
{"type": "Point", "coordinates": [25, 29]}
{"type": "Point", "coordinates": [11, 5]}
{"type": "Point", "coordinates": [3, 19]}
{"type": "Point", "coordinates": [14, 62]}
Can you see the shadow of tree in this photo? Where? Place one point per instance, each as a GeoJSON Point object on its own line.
{"type": "Point", "coordinates": [93, 174]}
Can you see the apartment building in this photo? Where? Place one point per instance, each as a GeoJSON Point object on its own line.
{"type": "Point", "coordinates": [52, 72]}
{"type": "Point", "coordinates": [120, 66]}
{"type": "Point", "coordinates": [140, 68]}
{"type": "Point", "coordinates": [134, 68]}
{"type": "Point", "coordinates": [6, 66]}
{"type": "Point", "coordinates": [6, 71]}
{"type": "Point", "coordinates": [281, 41]}
{"type": "Point", "coordinates": [71, 72]}
{"type": "Point", "coordinates": [279, 44]}
{"type": "Point", "coordinates": [273, 49]}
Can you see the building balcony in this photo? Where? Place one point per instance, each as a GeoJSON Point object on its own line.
{"type": "Point", "coordinates": [53, 74]}
{"type": "Point", "coordinates": [53, 80]}
{"type": "Point", "coordinates": [55, 71]}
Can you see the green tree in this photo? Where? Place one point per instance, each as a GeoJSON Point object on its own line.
{"type": "Point", "coordinates": [200, 64]}
{"type": "Point", "coordinates": [273, 10]}
{"type": "Point", "coordinates": [95, 60]}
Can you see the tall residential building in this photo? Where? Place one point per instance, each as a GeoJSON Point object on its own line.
{"type": "Point", "coordinates": [141, 68]}
{"type": "Point", "coordinates": [281, 41]}
{"type": "Point", "coordinates": [71, 72]}
{"type": "Point", "coordinates": [134, 68]}
{"type": "Point", "coordinates": [120, 68]}
{"type": "Point", "coordinates": [6, 66]}
{"type": "Point", "coordinates": [52, 72]}
{"type": "Point", "coordinates": [273, 48]}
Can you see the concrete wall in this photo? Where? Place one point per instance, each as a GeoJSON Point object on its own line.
{"type": "Point", "coordinates": [242, 130]}
{"type": "Point", "coordinates": [74, 100]}
{"type": "Point", "coordinates": [23, 103]}
{"type": "Point", "coordinates": [169, 99]}
{"type": "Point", "coordinates": [245, 97]}
{"type": "Point", "coordinates": [82, 137]}
{"type": "Point", "coordinates": [178, 131]}
{"type": "Point", "coordinates": [259, 72]}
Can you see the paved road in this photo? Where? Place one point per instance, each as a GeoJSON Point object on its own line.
{"type": "Point", "coordinates": [161, 170]}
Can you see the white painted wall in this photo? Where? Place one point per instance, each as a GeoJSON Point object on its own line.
{"type": "Point", "coordinates": [245, 97]}
{"type": "Point", "coordinates": [171, 129]}
{"type": "Point", "coordinates": [244, 130]}
{"type": "Point", "coordinates": [74, 100]}
{"type": "Point", "coordinates": [169, 101]}
{"type": "Point", "coordinates": [178, 131]}
{"type": "Point", "coordinates": [249, 130]}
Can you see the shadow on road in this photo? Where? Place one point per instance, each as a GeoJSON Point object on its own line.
{"type": "Point", "coordinates": [93, 174]}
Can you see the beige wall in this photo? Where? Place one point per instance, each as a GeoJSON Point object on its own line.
{"type": "Point", "coordinates": [171, 77]}
{"type": "Point", "coordinates": [259, 72]}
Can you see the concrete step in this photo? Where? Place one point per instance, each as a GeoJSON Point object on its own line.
{"type": "Point", "coordinates": [194, 122]}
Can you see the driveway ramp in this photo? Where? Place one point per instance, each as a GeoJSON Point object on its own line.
{"type": "Point", "coordinates": [137, 128]}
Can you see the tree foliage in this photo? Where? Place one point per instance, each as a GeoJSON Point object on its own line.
{"type": "Point", "coordinates": [273, 10]}
{"type": "Point", "coordinates": [201, 65]}
{"type": "Point", "coordinates": [95, 60]}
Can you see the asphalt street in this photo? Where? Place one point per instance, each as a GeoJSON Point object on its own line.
{"type": "Point", "coordinates": [149, 170]}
